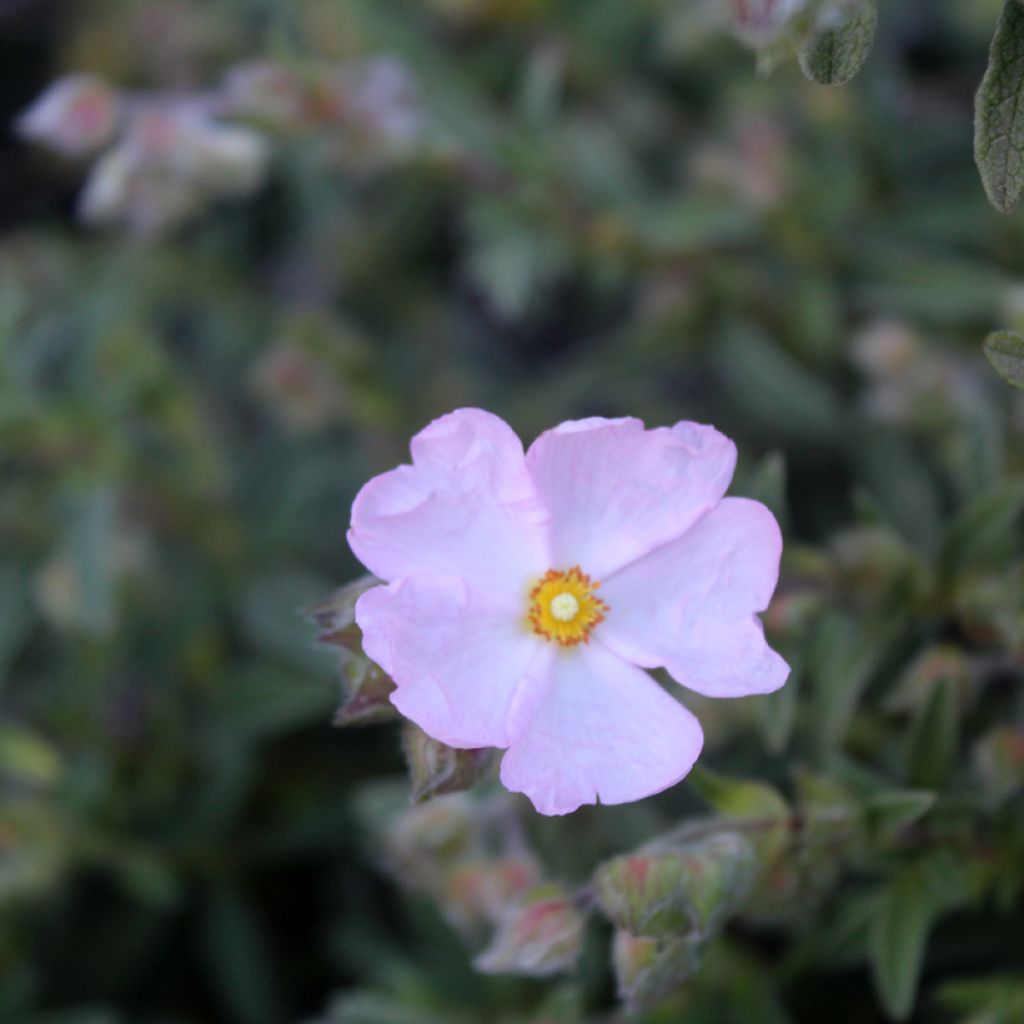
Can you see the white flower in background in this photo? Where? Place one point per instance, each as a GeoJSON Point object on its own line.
{"type": "Point", "coordinates": [76, 116]}
{"type": "Point", "coordinates": [379, 98]}
{"type": "Point", "coordinates": [761, 21]}
{"type": "Point", "coordinates": [170, 162]}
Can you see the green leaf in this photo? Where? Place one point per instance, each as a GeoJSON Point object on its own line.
{"type": "Point", "coordinates": [835, 55]}
{"type": "Point", "coordinates": [28, 759]}
{"type": "Point", "coordinates": [898, 942]}
{"type": "Point", "coordinates": [739, 798]}
{"type": "Point", "coordinates": [985, 534]}
{"type": "Point", "coordinates": [371, 1008]}
{"type": "Point", "coordinates": [933, 737]}
{"type": "Point", "coordinates": [998, 113]}
{"type": "Point", "coordinates": [239, 959]}
{"type": "Point", "coordinates": [910, 905]}
{"type": "Point", "coordinates": [886, 814]}
{"type": "Point", "coordinates": [15, 620]}
{"type": "Point", "coordinates": [1005, 351]}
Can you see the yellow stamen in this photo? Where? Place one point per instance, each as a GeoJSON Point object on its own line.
{"type": "Point", "coordinates": [563, 607]}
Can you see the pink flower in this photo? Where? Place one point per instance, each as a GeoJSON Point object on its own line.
{"type": "Point", "coordinates": [526, 594]}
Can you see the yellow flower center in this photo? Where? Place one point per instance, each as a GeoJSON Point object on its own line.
{"type": "Point", "coordinates": [563, 607]}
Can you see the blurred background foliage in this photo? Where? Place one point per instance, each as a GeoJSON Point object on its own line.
{"type": "Point", "coordinates": [562, 208]}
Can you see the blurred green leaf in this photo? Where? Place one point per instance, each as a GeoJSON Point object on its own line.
{"type": "Point", "coordinates": [238, 960]}
{"type": "Point", "coordinates": [933, 737]}
{"type": "Point", "coordinates": [887, 813]}
{"type": "Point", "coordinates": [911, 903]}
{"type": "Point", "coordinates": [835, 55]}
{"type": "Point", "coordinates": [1005, 349]}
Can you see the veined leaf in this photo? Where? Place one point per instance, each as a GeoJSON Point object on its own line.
{"type": "Point", "coordinates": [1005, 351]}
{"type": "Point", "coordinates": [835, 55]}
{"type": "Point", "coordinates": [999, 115]}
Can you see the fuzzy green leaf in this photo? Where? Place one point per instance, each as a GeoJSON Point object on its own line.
{"type": "Point", "coordinates": [998, 114]}
{"type": "Point", "coordinates": [835, 55]}
{"type": "Point", "coordinates": [1005, 351]}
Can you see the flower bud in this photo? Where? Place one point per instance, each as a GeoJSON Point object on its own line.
{"type": "Point", "coordinates": [692, 889]}
{"type": "Point", "coordinates": [365, 692]}
{"type": "Point", "coordinates": [478, 892]}
{"type": "Point", "coordinates": [543, 935]}
{"type": "Point", "coordinates": [647, 970]}
{"type": "Point", "coordinates": [435, 768]}
{"type": "Point", "coordinates": [75, 117]}
{"type": "Point", "coordinates": [422, 843]}
{"type": "Point", "coordinates": [267, 92]}
{"type": "Point", "coordinates": [336, 616]}
{"type": "Point", "coordinates": [171, 161]}
{"type": "Point", "coordinates": [365, 688]}
{"type": "Point", "coordinates": [999, 761]}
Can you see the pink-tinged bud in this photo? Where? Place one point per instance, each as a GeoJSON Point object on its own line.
{"type": "Point", "coordinates": [423, 843]}
{"type": "Point", "coordinates": [478, 892]}
{"type": "Point", "coordinates": [689, 890]}
{"type": "Point", "coordinates": [302, 392]}
{"type": "Point", "coordinates": [540, 937]}
{"type": "Point", "coordinates": [886, 348]}
{"type": "Point", "coordinates": [266, 92]}
{"type": "Point", "coordinates": [336, 616]}
{"type": "Point", "coordinates": [76, 116]}
{"type": "Point", "coordinates": [647, 970]}
{"type": "Point", "coordinates": [868, 560]}
{"type": "Point", "coordinates": [377, 98]}
{"type": "Point", "coordinates": [171, 162]}
{"type": "Point", "coordinates": [435, 768]}
{"type": "Point", "coordinates": [999, 762]}
{"type": "Point", "coordinates": [365, 688]}
{"type": "Point", "coordinates": [365, 693]}
{"type": "Point", "coordinates": [929, 669]}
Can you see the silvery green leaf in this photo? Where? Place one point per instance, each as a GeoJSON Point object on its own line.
{"type": "Point", "coordinates": [998, 114]}
{"type": "Point", "coordinates": [834, 54]}
{"type": "Point", "coordinates": [1005, 351]}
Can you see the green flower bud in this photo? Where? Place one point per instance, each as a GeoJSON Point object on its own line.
{"type": "Point", "coordinates": [647, 970]}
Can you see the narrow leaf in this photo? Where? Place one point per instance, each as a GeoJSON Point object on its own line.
{"type": "Point", "coordinates": [999, 115]}
{"type": "Point", "coordinates": [933, 737]}
{"type": "Point", "coordinates": [898, 942]}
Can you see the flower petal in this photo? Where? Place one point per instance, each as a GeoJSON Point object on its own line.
{"type": "Point", "coordinates": [465, 507]}
{"type": "Point", "coordinates": [690, 605]}
{"type": "Point", "coordinates": [615, 490]}
{"type": "Point", "coordinates": [457, 656]}
{"type": "Point", "coordinates": [602, 730]}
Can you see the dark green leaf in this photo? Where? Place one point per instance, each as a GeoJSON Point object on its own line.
{"type": "Point", "coordinates": [933, 737]}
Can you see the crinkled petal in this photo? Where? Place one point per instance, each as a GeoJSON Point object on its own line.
{"type": "Point", "coordinates": [690, 606]}
{"type": "Point", "coordinates": [458, 656]}
{"type": "Point", "coordinates": [465, 507]}
{"type": "Point", "coordinates": [602, 730]}
{"type": "Point", "coordinates": [615, 490]}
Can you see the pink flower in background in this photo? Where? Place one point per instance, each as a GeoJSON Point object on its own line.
{"type": "Point", "coordinates": [526, 594]}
